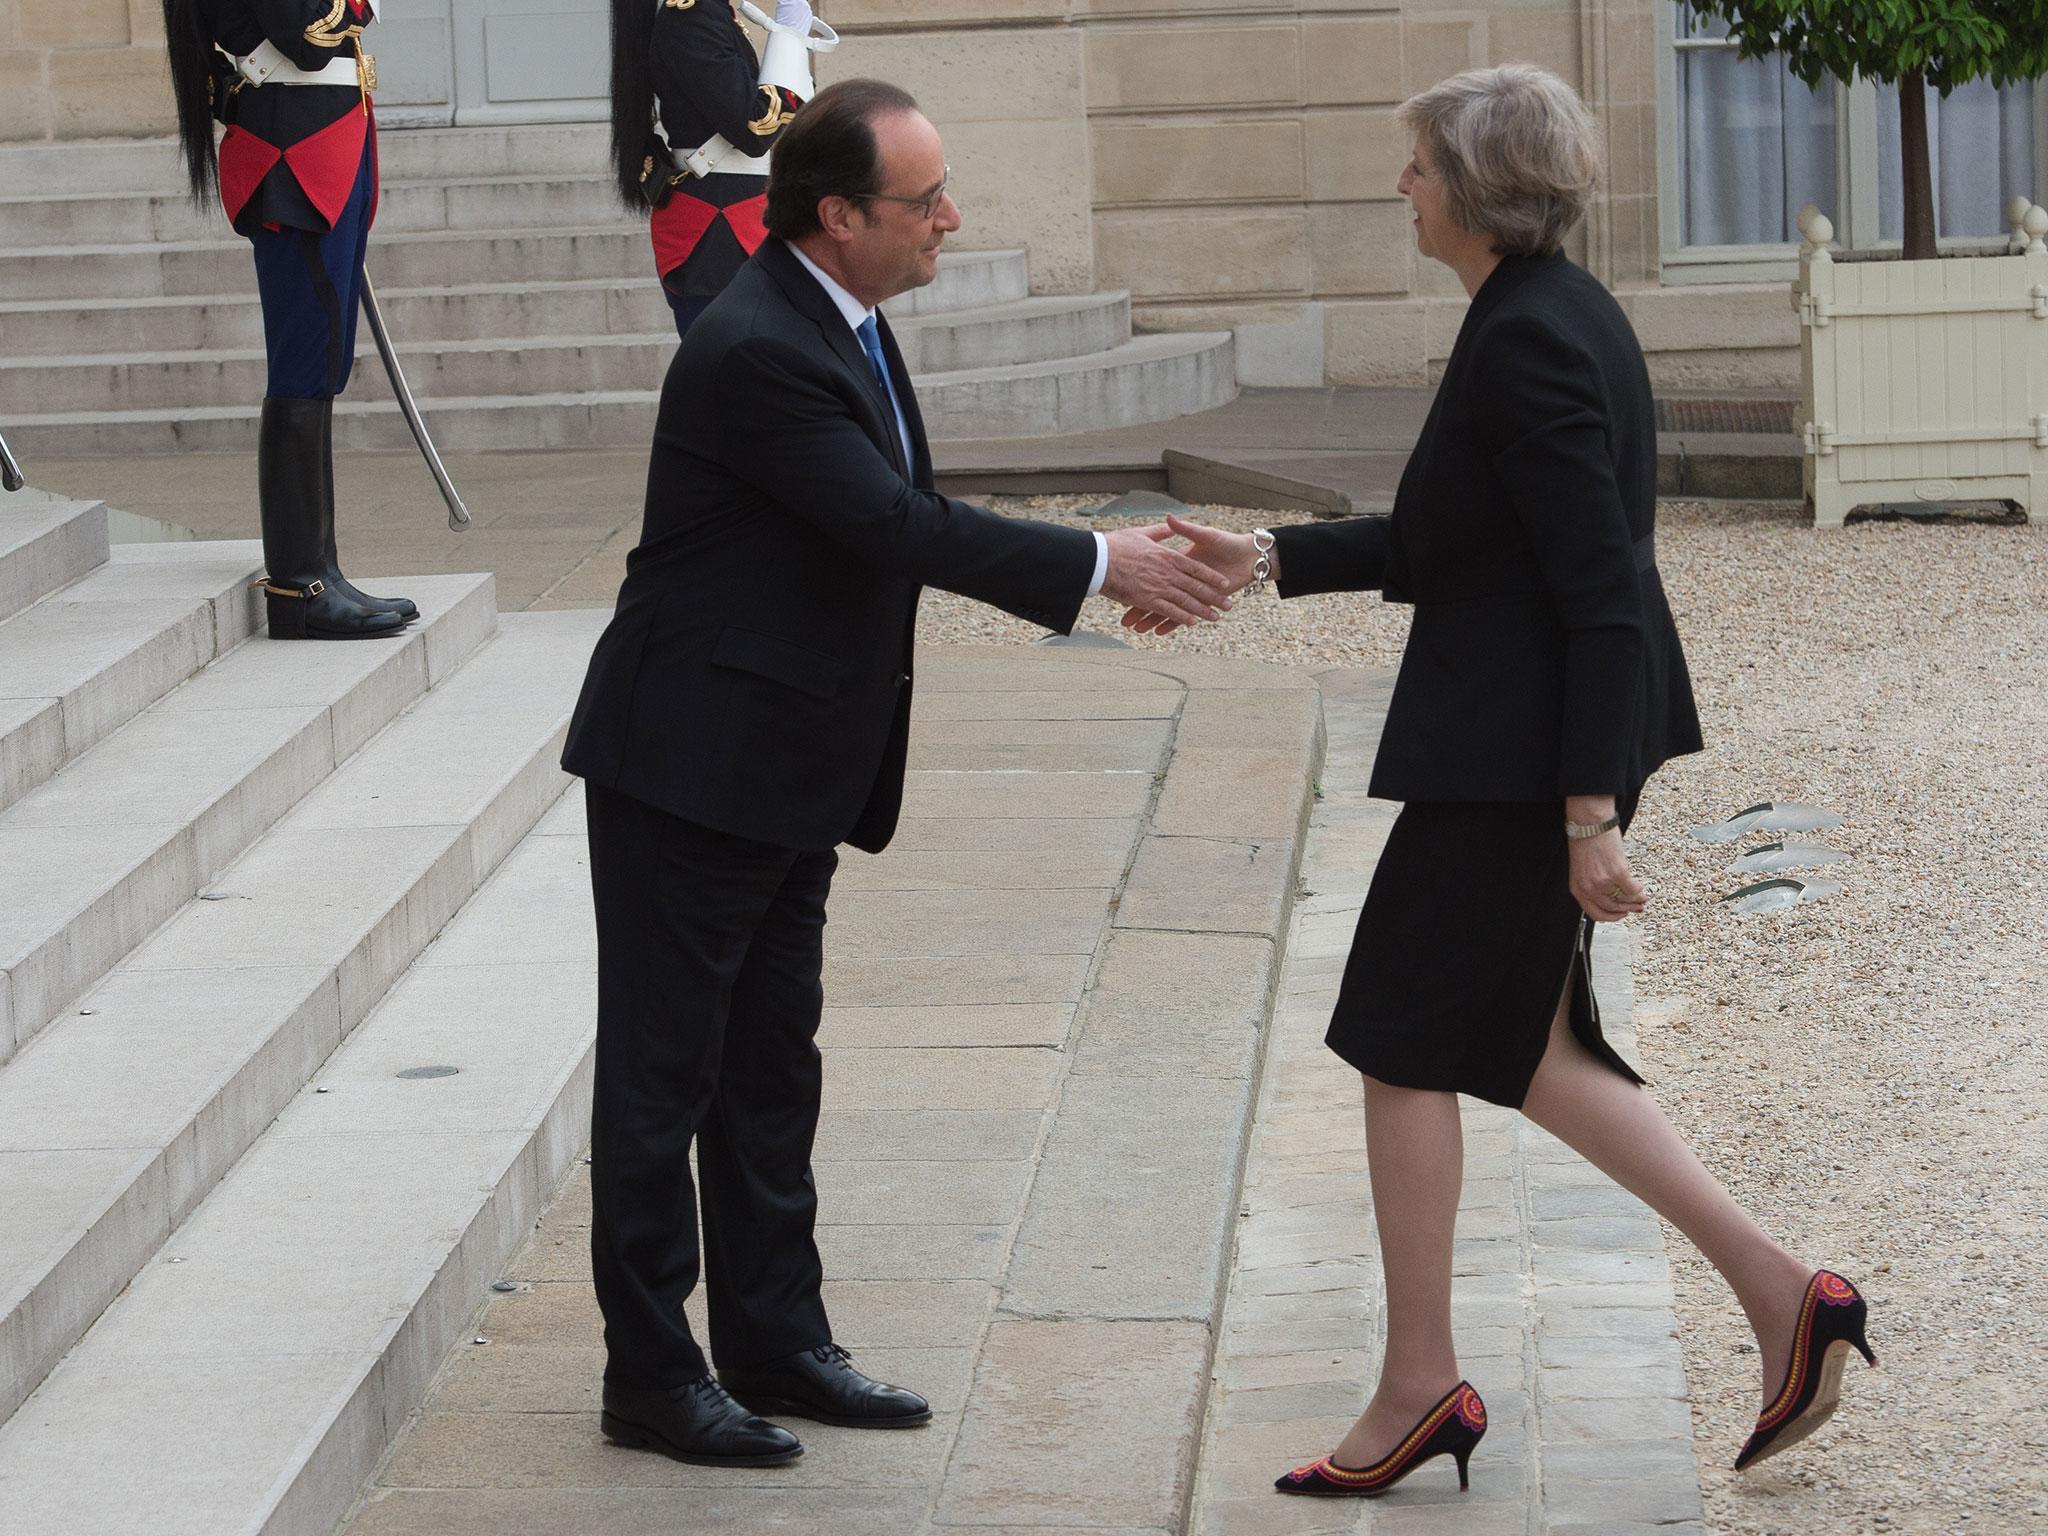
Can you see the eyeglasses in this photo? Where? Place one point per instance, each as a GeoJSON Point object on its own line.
{"type": "Point", "coordinates": [927, 206]}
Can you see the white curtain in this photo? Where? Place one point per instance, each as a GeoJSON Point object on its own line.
{"type": "Point", "coordinates": [1754, 144]}
{"type": "Point", "coordinates": [1980, 142]}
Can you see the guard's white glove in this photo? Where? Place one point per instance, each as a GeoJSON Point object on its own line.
{"type": "Point", "coordinates": [795, 14]}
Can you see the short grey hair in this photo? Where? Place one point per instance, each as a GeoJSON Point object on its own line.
{"type": "Point", "coordinates": [1518, 152]}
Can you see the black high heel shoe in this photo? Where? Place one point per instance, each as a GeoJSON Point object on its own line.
{"type": "Point", "coordinates": [1830, 1321]}
{"type": "Point", "coordinates": [1452, 1428]}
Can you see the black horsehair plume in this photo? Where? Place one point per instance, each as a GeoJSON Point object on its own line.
{"type": "Point", "coordinates": [632, 94]}
{"type": "Point", "coordinates": [191, 52]}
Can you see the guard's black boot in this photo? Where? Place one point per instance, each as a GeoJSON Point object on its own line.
{"type": "Point", "coordinates": [404, 607]}
{"type": "Point", "coordinates": [297, 525]}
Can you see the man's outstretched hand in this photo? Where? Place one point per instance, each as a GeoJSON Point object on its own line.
{"type": "Point", "coordinates": [1145, 576]}
{"type": "Point", "coordinates": [1229, 559]}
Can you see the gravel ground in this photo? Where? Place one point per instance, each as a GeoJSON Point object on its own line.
{"type": "Point", "coordinates": [1866, 1073]}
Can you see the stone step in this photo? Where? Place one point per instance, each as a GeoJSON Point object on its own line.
{"type": "Point", "coordinates": [1148, 378]}
{"type": "Point", "coordinates": [443, 203]}
{"type": "Point", "coordinates": [1024, 331]}
{"type": "Point", "coordinates": [46, 542]}
{"type": "Point", "coordinates": [312, 1295]}
{"type": "Point", "coordinates": [223, 264]}
{"type": "Point", "coordinates": [403, 154]}
{"type": "Point", "coordinates": [105, 327]}
{"type": "Point", "coordinates": [126, 834]}
{"type": "Point", "coordinates": [118, 1119]}
{"type": "Point", "coordinates": [428, 258]}
{"type": "Point", "coordinates": [86, 660]}
{"type": "Point", "coordinates": [615, 305]}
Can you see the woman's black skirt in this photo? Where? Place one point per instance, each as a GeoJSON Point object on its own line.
{"type": "Point", "coordinates": [1469, 936]}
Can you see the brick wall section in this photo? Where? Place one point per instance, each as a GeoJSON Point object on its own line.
{"type": "Point", "coordinates": [82, 69]}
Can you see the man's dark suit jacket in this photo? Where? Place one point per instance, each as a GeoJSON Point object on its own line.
{"type": "Point", "coordinates": [1542, 661]}
{"type": "Point", "coordinates": [756, 678]}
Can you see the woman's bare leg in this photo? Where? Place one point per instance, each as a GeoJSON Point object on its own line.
{"type": "Point", "coordinates": [1620, 1130]}
{"type": "Point", "coordinates": [1415, 1153]}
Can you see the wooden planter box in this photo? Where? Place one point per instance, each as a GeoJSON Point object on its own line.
{"type": "Point", "coordinates": [1924, 381]}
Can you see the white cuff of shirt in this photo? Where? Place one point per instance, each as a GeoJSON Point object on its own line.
{"type": "Point", "coordinates": [1101, 565]}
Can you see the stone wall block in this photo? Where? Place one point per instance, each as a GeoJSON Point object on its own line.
{"type": "Point", "coordinates": [1002, 75]}
{"type": "Point", "coordinates": [110, 93]}
{"type": "Point", "coordinates": [1020, 185]}
{"type": "Point", "coordinates": [1433, 50]}
{"type": "Point", "coordinates": [1206, 255]}
{"type": "Point", "coordinates": [1546, 37]}
{"type": "Point", "coordinates": [1441, 321]}
{"type": "Point", "coordinates": [1706, 317]}
{"type": "Point", "coordinates": [1190, 162]}
{"type": "Point", "coordinates": [1733, 368]}
{"type": "Point", "coordinates": [24, 106]}
{"type": "Point", "coordinates": [1360, 248]}
{"type": "Point", "coordinates": [1353, 60]}
{"type": "Point", "coordinates": [1632, 223]}
{"type": "Point", "coordinates": [146, 22]}
{"type": "Point", "coordinates": [1355, 155]}
{"type": "Point", "coordinates": [1181, 8]}
{"type": "Point", "coordinates": [1379, 344]}
{"type": "Point", "coordinates": [853, 16]}
{"type": "Point", "coordinates": [1202, 67]}
{"type": "Point", "coordinates": [70, 23]}
{"type": "Point", "coordinates": [1631, 134]}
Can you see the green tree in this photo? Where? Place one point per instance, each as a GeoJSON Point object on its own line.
{"type": "Point", "coordinates": [1908, 43]}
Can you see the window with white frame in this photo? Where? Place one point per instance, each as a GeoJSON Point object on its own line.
{"type": "Point", "coordinates": [1743, 145]}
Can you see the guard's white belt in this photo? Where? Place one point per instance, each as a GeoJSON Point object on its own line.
{"type": "Point", "coordinates": [716, 157]}
{"type": "Point", "coordinates": [267, 65]}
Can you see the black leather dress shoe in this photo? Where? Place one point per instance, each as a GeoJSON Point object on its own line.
{"type": "Point", "coordinates": [696, 1422]}
{"type": "Point", "coordinates": [822, 1384]}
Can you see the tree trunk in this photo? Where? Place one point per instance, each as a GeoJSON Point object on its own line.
{"type": "Point", "coordinates": [1914, 168]}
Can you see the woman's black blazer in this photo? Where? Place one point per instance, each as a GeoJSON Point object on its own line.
{"type": "Point", "coordinates": [1542, 660]}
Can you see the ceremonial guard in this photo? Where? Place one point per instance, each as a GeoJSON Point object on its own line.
{"type": "Point", "coordinates": [694, 115]}
{"type": "Point", "coordinates": [297, 175]}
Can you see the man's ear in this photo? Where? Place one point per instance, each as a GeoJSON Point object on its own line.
{"type": "Point", "coordinates": [835, 217]}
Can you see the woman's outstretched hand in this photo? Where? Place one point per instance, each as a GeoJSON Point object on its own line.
{"type": "Point", "coordinates": [1230, 556]}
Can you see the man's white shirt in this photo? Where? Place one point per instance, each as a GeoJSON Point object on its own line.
{"type": "Point", "coordinates": [855, 314]}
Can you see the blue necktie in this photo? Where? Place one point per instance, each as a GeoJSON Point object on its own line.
{"type": "Point", "coordinates": [870, 336]}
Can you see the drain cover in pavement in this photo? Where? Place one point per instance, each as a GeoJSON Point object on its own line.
{"type": "Point", "coordinates": [430, 1071]}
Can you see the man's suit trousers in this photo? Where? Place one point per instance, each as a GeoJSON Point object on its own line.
{"type": "Point", "coordinates": [709, 953]}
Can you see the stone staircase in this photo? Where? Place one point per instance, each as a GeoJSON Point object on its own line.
{"type": "Point", "coordinates": [296, 991]}
{"type": "Point", "coordinates": [522, 299]}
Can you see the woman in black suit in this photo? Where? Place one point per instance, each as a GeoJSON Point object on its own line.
{"type": "Point", "coordinates": [1542, 684]}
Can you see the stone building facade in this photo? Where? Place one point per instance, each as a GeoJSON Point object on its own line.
{"type": "Point", "coordinates": [1231, 162]}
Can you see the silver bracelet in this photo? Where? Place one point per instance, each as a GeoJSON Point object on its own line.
{"type": "Point", "coordinates": [1262, 567]}
{"type": "Point", "coordinates": [1580, 829]}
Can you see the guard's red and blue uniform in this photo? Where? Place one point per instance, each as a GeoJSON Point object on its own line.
{"type": "Point", "coordinates": [298, 176]}
{"type": "Point", "coordinates": [297, 172]}
{"type": "Point", "coordinates": [706, 84]}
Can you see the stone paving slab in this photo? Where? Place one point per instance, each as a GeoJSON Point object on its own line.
{"type": "Point", "coordinates": [1032, 1133]}
{"type": "Point", "coordinates": [1561, 1297]}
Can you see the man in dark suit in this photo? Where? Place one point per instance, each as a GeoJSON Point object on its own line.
{"type": "Point", "coordinates": [746, 711]}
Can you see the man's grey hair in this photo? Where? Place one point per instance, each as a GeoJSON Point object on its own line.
{"type": "Point", "coordinates": [1517, 150]}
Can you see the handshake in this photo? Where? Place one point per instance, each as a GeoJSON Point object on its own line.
{"type": "Point", "coordinates": [1163, 588]}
